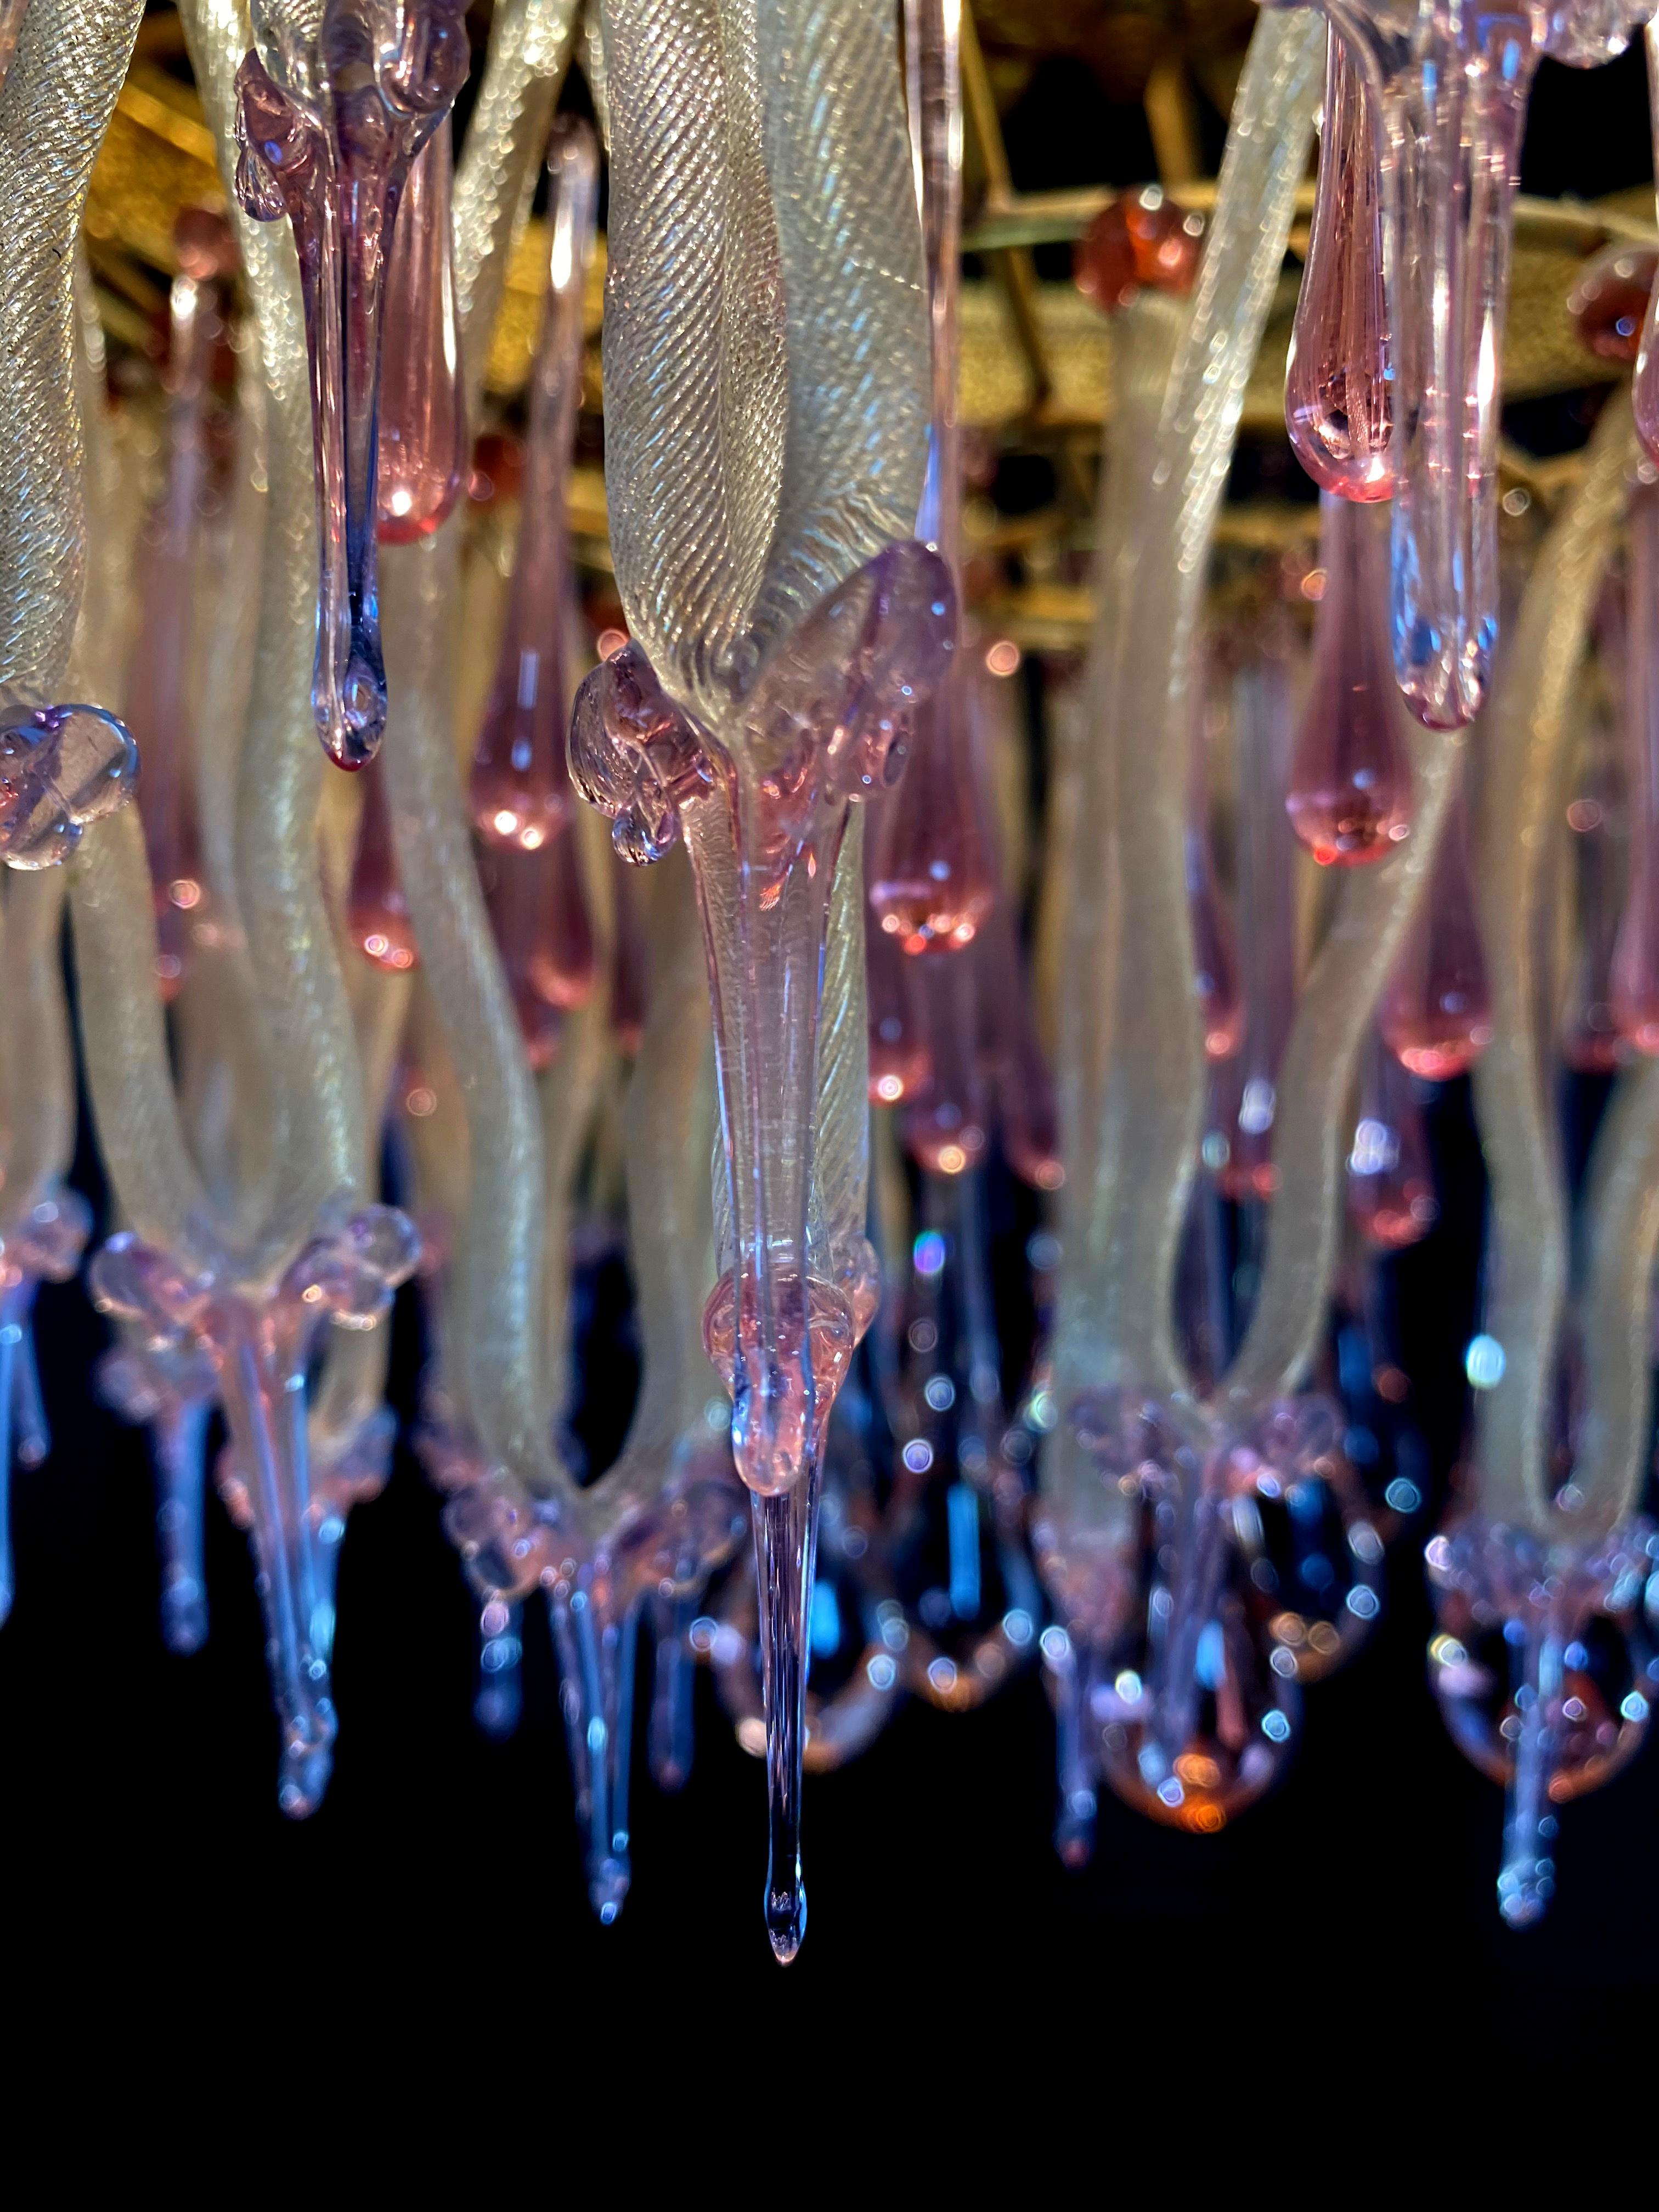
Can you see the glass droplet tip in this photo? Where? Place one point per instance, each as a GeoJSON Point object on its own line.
{"type": "Point", "coordinates": [786, 1920]}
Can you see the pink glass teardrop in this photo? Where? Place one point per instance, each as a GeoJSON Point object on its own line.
{"type": "Point", "coordinates": [1390, 1177]}
{"type": "Point", "coordinates": [933, 882]}
{"type": "Point", "coordinates": [1350, 795]}
{"type": "Point", "coordinates": [1143, 240]}
{"type": "Point", "coordinates": [899, 1063]}
{"type": "Point", "coordinates": [947, 1130]}
{"type": "Point", "coordinates": [933, 876]}
{"type": "Point", "coordinates": [1436, 1014]}
{"type": "Point", "coordinates": [1636, 957]}
{"type": "Point", "coordinates": [519, 791]}
{"type": "Point", "coordinates": [424, 453]}
{"type": "Point", "coordinates": [377, 914]}
{"type": "Point", "coordinates": [519, 893]}
{"type": "Point", "coordinates": [1338, 395]}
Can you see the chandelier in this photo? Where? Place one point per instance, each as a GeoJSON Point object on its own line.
{"type": "Point", "coordinates": [866, 881]}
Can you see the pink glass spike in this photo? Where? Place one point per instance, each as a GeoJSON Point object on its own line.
{"type": "Point", "coordinates": [1435, 1013]}
{"type": "Point", "coordinates": [377, 913]}
{"type": "Point", "coordinates": [46, 1246]}
{"type": "Point", "coordinates": [1635, 996]}
{"type": "Point", "coordinates": [519, 790]}
{"type": "Point", "coordinates": [1339, 389]}
{"type": "Point", "coordinates": [820, 726]}
{"type": "Point", "coordinates": [382, 79]}
{"type": "Point", "coordinates": [1027, 1115]}
{"type": "Point", "coordinates": [60, 767]}
{"type": "Point", "coordinates": [258, 1345]}
{"type": "Point", "coordinates": [933, 876]}
{"type": "Point", "coordinates": [1350, 793]}
{"type": "Point", "coordinates": [1390, 1177]}
{"type": "Point", "coordinates": [158, 704]}
{"type": "Point", "coordinates": [1524, 1687]}
{"type": "Point", "coordinates": [425, 454]}
{"type": "Point", "coordinates": [899, 1062]}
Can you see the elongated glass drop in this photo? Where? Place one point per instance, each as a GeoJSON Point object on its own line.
{"type": "Point", "coordinates": [1435, 1013]}
{"type": "Point", "coordinates": [424, 457]}
{"type": "Point", "coordinates": [1339, 398]}
{"type": "Point", "coordinates": [947, 1130]}
{"type": "Point", "coordinates": [334, 158]}
{"type": "Point", "coordinates": [158, 707]}
{"type": "Point", "coordinates": [377, 913]}
{"type": "Point", "coordinates": [1635, 956]}
{"type": "Point", "coordinates": [1448, 96]}
{"type": "Point", "coordinates": [899, 1061]}
{"type": "Point", "coordinates": [1350, 795]}
{"type": "Point", "coordinates": [1390, 1177]}
{"type": "Point", "coordinates": [597, 1654]}
{"type": "Point", "coordinates": [518, 894]}
{"type": "Point", "coordinates": [520, 788]}
{"type": "Point", "coordinates": [932, 872]}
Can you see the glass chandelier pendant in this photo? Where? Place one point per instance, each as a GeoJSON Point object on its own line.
{"type": "Point", "coordinates": [1338, 380]}
{"type": "Point", "coordinates": [1445, 92]}
{"type": "Point", "coordinates": [779, 643]}
{"type": "Point", "coordinates": [424, 450]}
{"type": "Point", "coordinates": [520, 789]}
{"type": "Point", "coordinates": [257, 1346]}
{"type": "Point", "coordinates": [932, 875]}
{"type": "Point", "coordinates": [327, 137]}
{"type": "Point", "coordinates": [1350, 795]}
